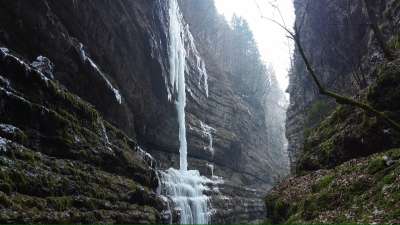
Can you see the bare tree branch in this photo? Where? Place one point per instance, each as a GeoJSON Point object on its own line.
{"type": "Point", "coordinates": [339, 98]}
{"type": "Point", "coordinates": [343, 100]}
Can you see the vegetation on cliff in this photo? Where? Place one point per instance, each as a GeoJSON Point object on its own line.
{"type": "Point", "coordinates": [333, 183]}
{"type": "Point", "coordinates": [61, 162]}
{"type": "Point", "coordinates": [364, 190]}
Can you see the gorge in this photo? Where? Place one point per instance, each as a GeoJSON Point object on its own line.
{"type": "Point", "coordinates": [165, 112]}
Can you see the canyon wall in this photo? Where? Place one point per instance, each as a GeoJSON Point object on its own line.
{"type": "Point", "coordinates": [340, 45]}
{"type": "Point", "coordinates": [114, 55]}
{"type": "Point", "coordinates": [345, 160]}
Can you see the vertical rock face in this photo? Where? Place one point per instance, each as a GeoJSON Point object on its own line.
{"type": "Point", "coordinates": [114, 55]}
{"type": "Point", "coordinates": [342, 155]}
{"type": "Point", "coordinates": [340, 45]}
{"type": "Point", "coordinates": [61, 162]}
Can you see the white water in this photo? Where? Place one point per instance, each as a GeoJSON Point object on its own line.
{"type": "Point", "coordinates": [184, 187]}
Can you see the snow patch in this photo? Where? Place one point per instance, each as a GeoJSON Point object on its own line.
{"type": "Point", "coordinates": [6, 52]}
{"type": "Point", "coordinates": [86, 58]}
{"type": "Point", "coordinates": [45, 66]}
{"type": "Point", "coordinates": [3, 144]}
{"type": "Point", "coordinates": [9, 129]}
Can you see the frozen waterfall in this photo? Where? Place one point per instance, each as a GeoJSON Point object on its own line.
{"type": "Point", "coordinates": [184, 187]}
{"type": "Point", "coordinates": [177, 62]}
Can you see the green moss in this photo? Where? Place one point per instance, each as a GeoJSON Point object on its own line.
{"type": "Point", "coordinates": [29, 202]}
{"type": "Point", "coordinates": [394, 154]}
{"type": "Point", "coordinates": [307, 162]}
{"type": "Point", "coordinates": [325, 199]}
{"type": "Point", "coordinates": [309, 208]}
{"type": "Point", "coordinates": [376, 165]}
{"type": "Point", "coordinates": [317, 112]}
{"type": "Point", "coordinates": [20, 181]}
{"type": "Point", "coordinates": [277, 209]}
{"type": "Point", "coordinates": [355, 188]}
{"type": "Point", "coordinates": [368, 122]}
{"type": "Point", "coordinates": [394, 43]}
{"type": "Point", "coordinates": [341, 113]}
{"type": "Point", "coordinates": [4, 176]}
{"type": "Point", "coordinates": [358, 187]}
{"type": "Point", "coordinates": [5, 200]}
{"type": "Point", "coordinates": [294, 219]}
{"type": "Point", "coordinates": [25, 155]}
{"type": "Point", "coordinates": [60, 203]}
{"type": "Point", "coordinates": [89, 218]}
{"type": "Point", "coordinates": [320, 149]}
{"type": "Point", "coordinates": [6, 187]}
{"type": "Point", "coordinates": [394, 214]}
{"type": "Point", "coordinates": [323, 183]}
{"type": "Point", "coordinates": [327, 147]}
{"type": "Point", "coordinates": [389, 179]}
{"type": "Point", "coordinates": [385, 95]}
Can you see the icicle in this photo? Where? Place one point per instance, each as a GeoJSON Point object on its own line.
{"type": "Point", "coordinates": [207, 131]}
{"type": "Point", "coordinates": [200, 65]}
{"type": "Point", "coordinates": [211, 166]}
{"type": "Point", "coordinates": [105, 136]}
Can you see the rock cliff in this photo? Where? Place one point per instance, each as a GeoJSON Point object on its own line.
{"type": "Point", "coordinates": [344, 53]}
{"type": "Point", "coordinates": [344, 160]}
{"type": "Point", "coordinates": [61, 162]}
{"type": "Point", "coordinates": [114, 55]}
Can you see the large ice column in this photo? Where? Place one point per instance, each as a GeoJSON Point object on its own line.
{"type": "Point", "coordinates": [177, 61]}
{"type": "Point", "coordinates": [184, 187]}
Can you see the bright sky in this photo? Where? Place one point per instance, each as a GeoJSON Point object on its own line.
{"type": "Point", "coordinates": [271, 39]}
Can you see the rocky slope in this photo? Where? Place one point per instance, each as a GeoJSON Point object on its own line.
{"type": "Point", "coordinates": [114, 55]}
{"type": "Point", "coordinates": [345, 168]}
{"type": "Point", "coordinates": [335, 185]}
{"type": "Point", "coordinates": [362, 190]}
{"type": "Point", "coordinates": [343, 52]}
{"type": "Point", "coordinates": [61, 162]}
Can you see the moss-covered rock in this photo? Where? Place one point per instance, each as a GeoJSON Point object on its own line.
{"type": "Point", "coordinates": [350, 132]}
{"type": "Point", "coordinates": [363, 190]}
{"type": "Point", "coordinates": [61, 162]}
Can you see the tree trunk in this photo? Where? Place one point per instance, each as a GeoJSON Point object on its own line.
{"type": "Point", "coordinates": [343, 100]}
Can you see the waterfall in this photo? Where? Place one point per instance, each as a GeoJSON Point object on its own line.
{"type": "Point", "coordinates": [177, 62]}
{"type": "Point", "coordinates": [184, 187]}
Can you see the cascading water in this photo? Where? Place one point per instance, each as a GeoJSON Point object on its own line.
{"type": "Point", "coordinates": [184, 187]}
